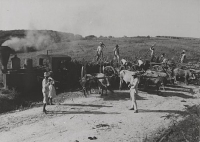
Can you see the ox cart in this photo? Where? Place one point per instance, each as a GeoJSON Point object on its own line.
{"type": "Point", "coordinates": [192, 65]}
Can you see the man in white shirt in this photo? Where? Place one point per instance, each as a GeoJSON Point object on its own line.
{"type": "Point", "coordinates": [123, 62]}
{"type": "Point", "coordinates": [162, 58]}
{"type": "Point", "coordinates": [134, 91]}
{"type": "Point", "coordinates": [100, 51]}
{"type": "Point", "coordinates": [140, 62]}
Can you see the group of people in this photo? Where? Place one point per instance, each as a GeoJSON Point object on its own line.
{"type": "Point", "coordinates": [48, 89]}
{"type": "Point", "coordinates": [135, 80]}
{"type": "Point", "coordinates": [162, 58]}
{"type": "Point", "coordinates": [100, 52]}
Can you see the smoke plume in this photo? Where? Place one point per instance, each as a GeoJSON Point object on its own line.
{"type": "Point", "coordinates": [33, 40]}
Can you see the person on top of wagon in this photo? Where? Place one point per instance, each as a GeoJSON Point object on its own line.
{"type": "Point", "coordinates": [152, 49]}
{"type": "Point", "coordinates": [116, 52]}
{"type": "Point", "coordinates": [163, 58]}
{"type": "Point", "coordinates": [100, 51]}
{"type": "Point", "coordinates": [183, 56]}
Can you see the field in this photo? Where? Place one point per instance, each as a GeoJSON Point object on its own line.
{"type": "Point", "coordinates": [108, 118]}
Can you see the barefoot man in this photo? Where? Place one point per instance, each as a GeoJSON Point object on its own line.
{"type": "Point", "coordinates": [116, 53]}
{"type": "Point", "coordinates": [100, 51]}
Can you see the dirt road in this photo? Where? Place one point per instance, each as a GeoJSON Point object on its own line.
{"type": "Point", "coordinates": [103, 119]}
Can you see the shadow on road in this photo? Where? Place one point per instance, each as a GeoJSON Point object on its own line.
{"type": "Point", "coordinates": [80, 112]}
{"type": "Point", "coordinates": [176, 94]}
{"type": "Point", "coordinates": [120, 96]}
{"type": "Point", "coordinates": [170, 94]}
{"type": "Point", "coordinates": [183, 113]}
{"type": "Point", "coordinates": [88, 105]}
{"type": "Point", "coordinates": [178, 88]}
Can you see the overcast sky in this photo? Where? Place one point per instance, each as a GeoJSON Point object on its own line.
{"type": "Point", "coordinates": [104, 17]}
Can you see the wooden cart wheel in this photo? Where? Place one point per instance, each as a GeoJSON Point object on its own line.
{"type": "Point", "coordinates": [109, 71]}
{"type": "Point", "coordinates": [157, 68]}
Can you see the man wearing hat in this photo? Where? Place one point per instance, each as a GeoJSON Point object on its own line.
{"type": "Point", "coordinates": [45, 90]}
{"type": "Point", "coordinates": [100, 51]}
{"type": "Point", "coordinates": [183, 56]}
{"type": "Point", "coordinates": [134, 91]}
{"type": "Point", "coordinates": [116, 52]}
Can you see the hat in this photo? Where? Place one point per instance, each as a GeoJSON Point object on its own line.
{"type": "Point", "coordinates": [100, 43]}
{"type": "Point", "coordinates": [46, 74]}
{"type": "Point", "coordinates": [117, 45]}
{"type": "Point", "coordinates": [183, 50]}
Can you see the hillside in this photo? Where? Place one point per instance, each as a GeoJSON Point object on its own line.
{"type": "Point", "coordinates": [78, 47]}
{"type": "Point", "coordinates": [55, 36]}
{"type": "Point", "coordinates": [129, 48]}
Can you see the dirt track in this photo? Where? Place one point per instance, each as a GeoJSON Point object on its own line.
{"type": "Point", "coordinates": [108, 119]}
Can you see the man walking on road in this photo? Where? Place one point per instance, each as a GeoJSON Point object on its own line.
{"type": "Point", "coordinates": [45, 90]}
{"type": "Point", "coordinates": [100, 51]}
{"type": "Point", "coordinates": [134, 92]}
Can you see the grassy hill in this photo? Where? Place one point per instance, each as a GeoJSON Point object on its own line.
{"type": "Point", "coordinates": [130, 47]}
{"type": "Point", "coordinates": [55, 36]}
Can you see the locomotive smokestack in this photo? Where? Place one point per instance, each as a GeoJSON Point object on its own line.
{"type": "Point", "coordinates": [4, 56]}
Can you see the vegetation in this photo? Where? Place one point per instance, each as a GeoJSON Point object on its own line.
{"type": "Point", "coordinates": [185, 131]}
{"type": "Point", "coordinates": [9, 100]}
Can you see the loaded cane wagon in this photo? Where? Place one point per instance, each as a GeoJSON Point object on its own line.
{"type": "Point", "coordinates": [193, 65]}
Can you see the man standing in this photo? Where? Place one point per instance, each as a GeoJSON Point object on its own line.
{"type": "Point", "coordinates": [152, 53]}
{"type": "Point", "coordinates": [52, 90]}
{"type": "Point", "coordinates": [45, 90]}
{"type": "Point", "coordinates": [134, 91]}
{"type": "Point", "coordinates": [116, 52]}
{"type": "Point", "coordinates": [100, 51]}
{"type": "Point", "coordinates": [183, 56]}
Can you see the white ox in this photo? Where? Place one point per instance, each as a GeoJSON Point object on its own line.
{"type": "Point", "coordinates": [125, 76]}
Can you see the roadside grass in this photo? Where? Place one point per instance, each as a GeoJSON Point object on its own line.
{"type": "Point", "coordinates": [9, 100]}
{"type": "Point", "coordinates": [187, 130]}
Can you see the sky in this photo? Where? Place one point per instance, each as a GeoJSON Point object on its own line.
{"type": "Point", "coordinates": [104, 17]}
